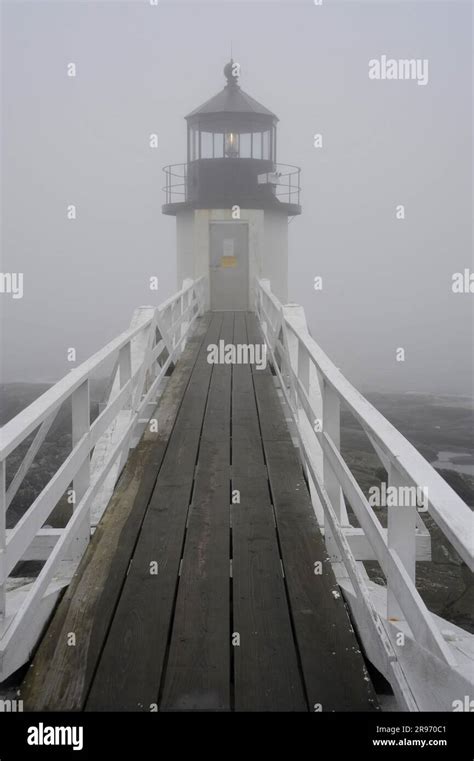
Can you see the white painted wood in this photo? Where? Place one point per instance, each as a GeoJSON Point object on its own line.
{"type": "Point", "coordinates": [390, 668]}
{"type": "Point", "coordinates": [29, 524]}
{"type": "Point", "coordinates": [187, 305]}
{"type": "Point", "coordinates": [104, 421]}
{"type": "Point", "coordinates": [125, 364]}
{"type": "Point", "coordinates": [29, 457]}
{"type": "Point", "coordinates": [332, 428]}
{"type": "Point", "coordinates": [11, 658]}
{"type": "Point", "coordinates": [434, 684]}
{"type": "Point", "coordinates": [41, 546]}
{"type": "Point", "coordinates": [311, 450]}
{"type": "Point", "coordinates": [17, 429]}
{"type": "Point", "coordinates": [114, 436]}
{"type": "Point", "coordinates": [384, 653]}
{"type": "Point", "coordinates": [3, 540]}
{"type": "Point", "coordinates": [80, 429]}
{"type": "Point", "coordinates": [27, 613]}
{"type": "Point", "coordinates": [401, 538]}
{"type": "Point", "coordinates": [451, 514]}
{"type": "Point", "coordinates": [362, 549]}
{"type": "Point", "coordinates": [148, 402]}
{"type": "Point", "coordinates": [413, 607]}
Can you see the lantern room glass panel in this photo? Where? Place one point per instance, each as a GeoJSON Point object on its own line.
{"type": "Point", "coordinates": [207, 150]}
{"type": "Point", "coordinates": [245, 146]}
{"type": "Point", "coordinates": [257, 145]}
{"type": "Point", "coordinates": [266, 145]}
{"type": "Point", "coordinates": [218, 145]}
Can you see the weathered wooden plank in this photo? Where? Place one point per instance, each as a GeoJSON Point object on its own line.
{"type": "Point", "coordinates": [266, 672]}
{"type": "Point", "coordinates": [198, 670]}
{"type": "Point", "coordinates": [60, 675]}
{"type": "Point", "coordinates": [333, 668]}
{"type": "Point", "coordinates": [131, 665]}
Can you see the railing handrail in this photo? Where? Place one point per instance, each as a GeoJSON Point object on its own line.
{"type": "Point", "coordinates": [179, 172]}
{"type": "Point", "coordinates": [19, 427]}
{"type": "Point", "coordinates": [140, 358]}
{"type": "Point", "coordinates": [449, 511]}
{"type": "Point", "coordinates": [174, 298]}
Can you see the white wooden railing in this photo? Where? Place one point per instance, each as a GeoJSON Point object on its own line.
{"type": "Point", "coordinates": [141, 358]}
{"type": "Point", "coordinates": [428, 661]}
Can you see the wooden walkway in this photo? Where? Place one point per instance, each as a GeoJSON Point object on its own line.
{"type": "Point", "coordinates": [198, 592]}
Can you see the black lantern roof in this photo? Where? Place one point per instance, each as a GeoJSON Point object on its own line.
{"type": "Point", "coordinates": [231, 100]}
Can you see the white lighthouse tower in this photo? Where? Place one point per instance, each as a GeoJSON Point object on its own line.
{"type": "Point", "coordinates": [231, 199]}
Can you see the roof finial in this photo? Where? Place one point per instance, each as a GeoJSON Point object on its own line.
{"type": "Point", "coordinates": [232, 73]}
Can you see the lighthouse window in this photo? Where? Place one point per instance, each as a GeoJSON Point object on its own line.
{"type": "Point", "coordinates": [231, 145]}
{"type": "Point", "coordinates": [257, 145]}
{"type": "Point", "coordinates": [245, 146]}
{"type": "Point", "coordinates": [206, 145]}
{"type": "Point", "coordinates": [218, 145]}
{"type": "Point", "coordinates": [266, 145]}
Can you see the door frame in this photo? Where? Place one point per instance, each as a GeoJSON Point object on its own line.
{"type": "Point", "coordinates": [234, 222]}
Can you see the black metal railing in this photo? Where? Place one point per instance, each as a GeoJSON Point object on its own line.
{"type": "Point", "coordinates": [284, 180]}
{"type": "Point", "coordinates": [287, 183]}
{"type": "Point", "coordinates": [176, 187]}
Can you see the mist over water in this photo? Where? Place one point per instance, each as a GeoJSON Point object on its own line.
{"type": "Point", "coordinates": [140, 69]}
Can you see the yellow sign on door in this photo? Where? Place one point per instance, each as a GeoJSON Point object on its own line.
{"type": "Point", "coordinates": [228, 261]}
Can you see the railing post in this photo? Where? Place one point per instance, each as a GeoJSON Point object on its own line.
{"type": "Point", "coordinates": [125, 366]}
{"type": "Point", "coordinates": [182, 326]}
{"type": "Point", "coordinates": [332, 427]}
{"type": "Point", "coordinates": [3, 539]}
{"type": "Point", "coordinates": [401, 537]}
{"type": "Point", "coordinates": [303, 367]}
{"type": "Point", "coordinates": [264, 283]}
{"type": "Point", "coordinates": [199, 291]}
{"type": "Point", "coordinates": [204, 297]}
{"type": "Point", "coordinates": [81, 481]}
{"type": "Point", "coordinates": [174, 318]}
{"type": "Point", "coordinates": [186, 300]}
{"type": "Point", "coordinates": [290, 359]}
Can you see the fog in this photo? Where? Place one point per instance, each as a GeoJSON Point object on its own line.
{"type": "Point", "coordinates": [387, 282]}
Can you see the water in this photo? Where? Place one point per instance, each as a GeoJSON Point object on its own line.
{"type": "Point", "coordinates": [461, 462]}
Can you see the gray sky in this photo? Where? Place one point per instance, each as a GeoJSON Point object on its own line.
{"type": "Point", "coordinates": [140, 69]}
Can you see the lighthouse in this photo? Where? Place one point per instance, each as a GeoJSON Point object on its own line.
{"type": "Point", "coordinates": [231, 199]}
